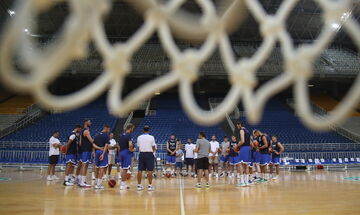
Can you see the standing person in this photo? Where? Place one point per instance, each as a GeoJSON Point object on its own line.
{"type": "Point", "coordinates": [71, 155]}
{"type": "Point", "coordinates": [277, 149]}
{"type": "Point", "coordinates": [86, 143]}
{"type": "Point", "coordinates": [179, 162]}
{"type": "Point", "coordinates": [256, 156]}
{"type": "Point", "coordinates": [126, 148]}
{"type": "Point", "coordinates": [203, 148]}
{"type": "Point", "coordinates": [101, 143]}
{"type": "Point", "coordinates": [147, 147]}
{"type": "Point", "coordinates": [245, 154]}
{"type": "Point", "coordinates": [112, 154]}
{"type": "Point", "coordinates": [214, 156]}
{"type": "Point", "coordinates": [171, 146]}
{"type": "Point", "coordinates": [224, 158]}
{"type": "Point", "coordinates": [189, 157]}
{"type": "Point", "coordinates": [264, 153]}
{"type": "Point", "coordinates": [234, 157]}
{"type": "Point", "coordinates": [54, 153]}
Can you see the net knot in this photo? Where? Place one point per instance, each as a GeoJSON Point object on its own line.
{"type": "Point", "coordinates": [300, 63]}
{"type": "Point", "coordinates": [335, 11]}
{"type": "Point", "coordinates": [187, 65]}
{"type": "Point", "coordinates": [117, 61]}
{"type": "Point", "coordinates": [243, 74]}
{"type": "Point", "coordinates": [271, 26]}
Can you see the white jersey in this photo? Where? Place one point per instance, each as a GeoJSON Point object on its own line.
{"type": "Point", "coordinates": [214, 148]}
{"type": "Point", "coordinates": [112, 144]}
{"type": "Point", "coordinates": [189, 150]}
{"type": "Point", "coordinates": [52, 149]}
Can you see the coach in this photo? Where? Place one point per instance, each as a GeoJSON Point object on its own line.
{"type": "Point", "coordinates": [147, 146]}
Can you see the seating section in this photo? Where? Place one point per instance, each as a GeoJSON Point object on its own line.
{"type": "Point", "coordinates": [16, 105]}
{"type": "Point", "coordinates": [170, 119]}
{"type": "Point", "coordinates": [327, 103]}
{"type": "Point", "coordinates": [278, 120]}
{"type": "Point", "coordinates": [64, 123]}
{"type": "Point", "coordinates": [7, 120]}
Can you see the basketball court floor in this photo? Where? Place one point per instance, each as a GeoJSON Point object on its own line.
{"type": "Point", "coordinates": [314, 192]}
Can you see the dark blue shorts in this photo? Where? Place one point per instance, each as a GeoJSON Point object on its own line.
{"type": "Point", "coordinates": [225, 158]}
{"type": "Point", "coordinates": [245, 155]}
{"type": "Point", "coordinates": [146, 161]}
{"type": "Point", "coordinates": [234, 160]}
{"type": "Point", "coordinates": [86, 157]}
{"type": "Point", "coordinates": [170, 159]}
{"type": "Point", "coordinates": [257, 157]}
{"type": "Point", "coordinates": [275, 160]}
{"type": "Point", "coordinates": [189, 161]}
{"type": "Point", "coordinates": [265, 159]}
{"type": "Point", "coordinates": [101, 163]}
{"type": "Point", "coordinates": [71, 158]}
{"type": "Point", "coordinates": [125, 159]}
{"type": "Point", "coordinates": [179, 165]}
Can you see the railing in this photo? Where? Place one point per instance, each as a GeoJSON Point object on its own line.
{"type": "Point", "coordinates": [147, 108]}
{"type": "Point", "coordinates": [32, 115]}
{"type": "Point", "coordinates": [213, 102]}
{"type": "Point", "coordinates": [128, 120]}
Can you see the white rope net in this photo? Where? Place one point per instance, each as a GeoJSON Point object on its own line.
{"type": "Point", "coordinates": [167, 20]}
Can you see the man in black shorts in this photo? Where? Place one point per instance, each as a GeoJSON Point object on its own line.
{"type": "Point", "coordinates": [203, 148]}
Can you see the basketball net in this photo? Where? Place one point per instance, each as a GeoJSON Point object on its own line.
{"type": "Point", "coordinates": [84, 25]}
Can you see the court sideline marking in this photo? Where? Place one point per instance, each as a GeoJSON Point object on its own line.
{"type": "Point", "coordinates": [181, 184]}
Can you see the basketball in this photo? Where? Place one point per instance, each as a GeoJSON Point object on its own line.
{"type": "Point", "coordinates": [168, 175]}
{"type": "Point", "coordinates": [128, 175]}
{"type": "Point", "coordinates": [111, 183]}
{"type": "Point", "coordinates": [63, 149]}
{"type": "Point", "coordinates": [256, 144]}
{"type": "Point", "coordinates": [271, 150]}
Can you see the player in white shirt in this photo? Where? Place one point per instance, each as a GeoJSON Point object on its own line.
{"type": "Point", "coordinates": [214, 156]}
{"type": "Point", "coordinates": [189, 157]}
{"type": "Point", "coordinates": [54, 153]}
{"type": "Point", "coordinates": [113, 148]}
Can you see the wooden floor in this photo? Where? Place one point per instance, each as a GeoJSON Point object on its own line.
{"type": "Point", "coordinates": [316, 192]}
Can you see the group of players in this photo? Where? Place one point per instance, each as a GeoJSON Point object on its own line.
{"type": "Point", "coordinates": [246, 154]}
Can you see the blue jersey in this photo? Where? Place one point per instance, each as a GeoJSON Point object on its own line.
{"type": "Point", "coordinates": [247, 137]}
{"type": "Point", "coordinates": [102, 139]}
{"type": "Point", "coordinates": [72, 150]}
{"type": "Point", "coordinates": [86, 146]}
{"type": "Point", "coordinates": [124, 140]}
{"type": "Point", "coordinates": [172, 146]}
{"type": "Point", "coordinates": [232, 149]}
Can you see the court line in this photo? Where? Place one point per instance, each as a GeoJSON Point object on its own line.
{"type": "Point", "coordinates": [182, 197]}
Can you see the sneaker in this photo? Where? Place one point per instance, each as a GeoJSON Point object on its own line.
{"type": "Point", "coordinates": [241, 185]}
{"type": "Point", "coordinates": [216, 175]}
{"type": "Point", "coordinates": [151, 188]}
{"type": "Point", "coordinates": [207, 185]}
{"type": "Point", "coordinates": [68, 183]}
{"type": "Point", "coordinates": [198, 185]}
{"type": "Point", "coordinates": [250, 183]}
{"type": "Point", "coordinates": [104, 177]}
{"type": "Point", "coordinates": [124, 187]}
{"type": "Point", "coordinates": [93, 177]}
{"type": "Point", "coordinates": [275, 177]}
{"type": "Point", "coordinates": [49, 178]}
{"type": "Point", "coordinates": [85, 185]}
{"type": "Point", "coordinates": [54, 177]}
{"type": "Point", "coordinates": [195, 176]}
{"type": "Point", "coordinates": [222, 175]}
{"type": "Point", "coordinates": [119, 177]}
{"type": "Point", "coordinates": [99, 187]}
{"type": "Point", "coordinates": [140, 187]}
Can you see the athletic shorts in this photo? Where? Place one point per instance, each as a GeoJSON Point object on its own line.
{"type": "Point", "coordinates": [202, 163]}
{"type": "Point", "coordinates": [170, 159]}
{"type": "Point", "coordinates": [111, 159]}
{"type": "Point", "coordinates": [189, 161]}
{"type": "Point", "coordinates": [265, 159]}
{"type": "Point", "coordinates": [86, 157]}
{"type": "Point", "coordinates": [146, 161]}
{"type": "Point", "coordinates": [101, 163]}
{"type": "Point", "coordinates": [71, 158]}
{"type": "Point", "coordinates": [234, 160]}
{"type": "Point", "coordinates": [53, 159]}
{"type": "Point", "coordinates": [257, 157]}
{"type": "Point", "coordinates": [213, 161]}
{"type": "Point", "coordinates": [275, 160]}
{"type": "Point", "coordinates": [125, 159]}
{"type": "Point", "coordinates": [225, 158]}
{"type": "Point", "coordinates": [245, 155]}
{"type": "Point", "coordinates": [179, 165]}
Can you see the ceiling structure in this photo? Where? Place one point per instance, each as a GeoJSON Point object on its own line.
{"type": "Point", "coordinates": [304, 25]}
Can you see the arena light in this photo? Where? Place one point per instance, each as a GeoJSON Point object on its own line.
{"type": "Point", "coordinates": [157, 93]}
{"type": "Point", "coordinates": [11, 12]}
{"type": "Point", "coordinates": [310, 85]}
{"type": "Point", "coordinates": [336, 26]}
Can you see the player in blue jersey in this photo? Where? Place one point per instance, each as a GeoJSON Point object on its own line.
{"type": "Point", "coordinates": [244, 154]}
{"type": "Point", "coordinates": [234, 156]}
{"type": "Point", "coordinates": [101, 143]}
{"type": "Point", "coordinates": [126, 148]}
{"type": "Point", "coordinates": [171, 146]}
{"type": "Point", "coordinates": [264, 153]}
{"type": "Point", "coordinates": [276, 149]}
{"type": "Point", "coordinates": [71, 155]}
{"type": "Point", "coordinates": [86, 144]}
